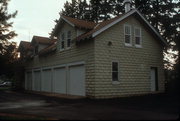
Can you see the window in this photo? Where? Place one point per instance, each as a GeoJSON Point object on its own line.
{"type": "Point", "coordinates": [127, 35]}
{"type": "Point", "coordinates": [137, 35]}
{"type": "Point", "coordinates": [115, 71]}
{"type": "Point", "coordinates": [36, 49]}
{"type": "Point", "coordinates": [69, 39]}
{"type": "Point", "coordinates": [62, 41]}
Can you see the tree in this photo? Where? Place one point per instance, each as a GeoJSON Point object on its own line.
{"type": "Point", "coordinates": [164, 16]}
{"type": "Point", "coordinates": [117, 7]}
{"type": "Point", "coordinates": [7, 49]}
{"type": "Point", "coordinates": [76, 9]}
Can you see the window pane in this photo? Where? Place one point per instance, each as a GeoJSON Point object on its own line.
{"type": "Point", "coordinates": [62, 44]}
{"type": "Point", "coordinates": [137, 32]}
{"type": "Point", "coordinates": [68, 42]}
{"type": "Point", "coordinates": [36, 50]}
{"type": "Point", "coordinates": [69, 35]}
{"type": "Point", "coordinates": [127, 30]}
{"type": "Point", "coordinates": [62, 36]}
{"type": "Point", "coordinates": [127, 39]}
{"type": "Point", "coordinates": [115, 66]}
{"type": "Point", "coordinates": [115, 76]}
{"type": "Point", "coordinates": [138, 40]}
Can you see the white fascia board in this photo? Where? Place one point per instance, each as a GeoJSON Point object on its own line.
{"type": "Point", "coordinates": [36, 69]}
{"type": "Point", "coordinates": [154, 30]}
{"type": "Point", "coordinates": [76, 63]}
{"type": "Point", "coordinates": [113, 23]}
{"type": "Point", "coordinates": [46, 68]}
{"type": "Point", "coordinates": [59, 21]}
{"type": "Point", "coordinates": [68, 22]}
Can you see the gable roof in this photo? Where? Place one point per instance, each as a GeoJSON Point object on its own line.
{"type": "Point", "coordinates": [97, 28]}
{"type": "Point", "coordinates": [43, 40]}
{"type": "Point", "coordinates": [81, 24]}
{"type": "Point", "coordinates": [26, 45]}
{"type": "Point", "coordinates": [101, 27]}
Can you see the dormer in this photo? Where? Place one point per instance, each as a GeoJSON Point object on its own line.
{"type": "Point", "coordinates": [40, 43]}
{"type": "Point", "coordinates": [80, 26]}
{"type": "Point", "coordinates": [26, 50]}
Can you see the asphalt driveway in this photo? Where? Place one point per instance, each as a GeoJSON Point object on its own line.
{"type": "Point", "coordinates": [151, 107]}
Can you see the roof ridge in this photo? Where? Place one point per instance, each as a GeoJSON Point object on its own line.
{"type": "Point", "coordinates": [25, 41]}
{"type": "Point", "coordinates": [40, 36]}
{"type": "Point", "coordinates": [79, 19]}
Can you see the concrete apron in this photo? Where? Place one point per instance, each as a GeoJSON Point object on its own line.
{"type": "Point", "coordinates": [65, 96]}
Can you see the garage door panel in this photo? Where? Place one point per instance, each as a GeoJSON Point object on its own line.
{"type": "Point", "coordinates": [77, 80]}
{"type": "Point", "coordinates": [28, 83]}
{"type": "Point", "coordinates": [46, 82]}
{"type": "Point", "coordinates": [37, 81]}
{"type": "Point", "coordinates": [60, 80]}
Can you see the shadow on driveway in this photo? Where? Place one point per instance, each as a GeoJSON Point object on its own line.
{"type": "Point", "coordinates": [150, 107]}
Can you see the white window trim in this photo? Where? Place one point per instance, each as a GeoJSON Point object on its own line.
{"type": "Point", "coordinates": [137, 45]}
{"type": "Point", "coordinates": [115, 82]}
{"type": "Point", "coordinates": [62, 49]}
{"type": "Point", "coordinates": [128, 44]}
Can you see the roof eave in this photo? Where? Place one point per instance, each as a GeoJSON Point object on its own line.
{"type": "Point", "coordinates": [85, 38]}
{"type": "Point", "coordinates": [58, 24]}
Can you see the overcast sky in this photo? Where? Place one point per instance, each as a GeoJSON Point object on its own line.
{"type": "Point", "coordinates": [35, 17]}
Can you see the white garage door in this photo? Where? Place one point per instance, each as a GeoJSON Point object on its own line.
{"type": "Point", "coordinates": [76, 84]}
{"type": "Point", "coordinates": [59, 80]}
{"type": "Point", "coordinates": [37, 81]}
{"type": "Point", "coordinates": [46, 83]}
{"type": "Point", "coordinates": [28, 83]}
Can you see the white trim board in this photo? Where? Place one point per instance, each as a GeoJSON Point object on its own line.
{"type": "Point", "coordinates": [154, 30]}
{"type": "Point", "coordinates": [67, 21]}
{"type": "Point", "coordinates": [113, 23]}
{"type": "Point", "coordinates": [76, 63]}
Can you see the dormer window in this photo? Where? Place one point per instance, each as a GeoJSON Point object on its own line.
{"type": "Point", "coordinates": [68, 39]}
{"type": "Point", "coordinates": [127, 35]}
{"type": "Point", "coordinates": [36, 50]}
{"type": "Point", "coordinates": [62, 41]}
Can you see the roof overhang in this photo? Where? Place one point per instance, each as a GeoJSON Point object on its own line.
{"type": "Point", "coordinates": [54, 33]}
{"type": "Point", "coordinates": [75, 23]}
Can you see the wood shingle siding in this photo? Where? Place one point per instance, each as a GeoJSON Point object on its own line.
{"type": "Point", "coordinates": [97, 55]}
{"type": "Point", "coordinates": [134, 63]}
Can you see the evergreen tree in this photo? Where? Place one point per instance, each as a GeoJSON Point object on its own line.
{"type": "Point", "coordinates": [76, 9]}
{"type": "Point", "coordinates": [5, 32]}
{"type": "Point", "coordinates": [117, 7]}
{"type": "Point", "coordinates": [83, 10]}
{"type": "Point", "coordinates": [164, 16]}
{"type": "Point", "coordinates": [7, 49]}
{"type": "Point", "coordinates": [105, 10]}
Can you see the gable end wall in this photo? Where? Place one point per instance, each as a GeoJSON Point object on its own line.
{"type": "Point", "coordinates": [134, 63]}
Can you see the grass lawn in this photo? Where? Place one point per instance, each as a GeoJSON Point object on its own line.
{"type": "Point", "coordinates": [5, 88]}
{"type": "Point", "coordinates": [18, 117]}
